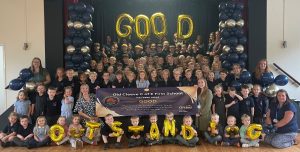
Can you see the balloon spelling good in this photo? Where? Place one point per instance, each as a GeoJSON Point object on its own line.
{"type": "Point", "coordinates": [16, 84]}
{"type": "Point", "coordinates": [135, 129]}
{"type": "Point", "coordinates": [127, 28]}
{"type": "Point", "coordinates": [163, 32]}
{"type": "Point", "coordinates": [169, 127]}
{"type": "Point", "coordinates": [142, 19]}
{"type": "Point", "coordinates": [117, 131]}
{"type": "Point", "coordinates": [181, 19]}
{"type": "Point", "coordinates": [92, 126]}
{"type": "Point", "coordinates": [154, 132]}
{"type": "Point", "coordinates": [254, 131]}
{"type": "Point", "coordinates": [281, 80]}
{"type": "Point", "coordinates": [56, 133]}
{"type": "Point", "coordinates": [187, 132]}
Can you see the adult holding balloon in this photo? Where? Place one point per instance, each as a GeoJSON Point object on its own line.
{"type": "Point", "coordinates": [40, 74]}
{"type": "Point", "coordinates": [261, 68]}
{"type": "Point", "coordinates": [282, 115]}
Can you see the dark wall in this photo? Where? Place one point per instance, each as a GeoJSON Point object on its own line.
{"type": "Point", "coordinates": [53, 34]}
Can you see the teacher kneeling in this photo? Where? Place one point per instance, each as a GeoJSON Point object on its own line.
{"type": "Point", "coordinates": [282, 115]}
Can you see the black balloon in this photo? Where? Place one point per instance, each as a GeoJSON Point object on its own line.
{"type": "Point", "coordinates": [245, 77]}
{"type": "Point", "coordinates": [226, 65]}
{"type": "Point", "coordinates": [223, 16]}
{"type": "Point", "coordinates": [85, 33]}
{"type": "Point", "coordinates": [225, 33]}
{"type": "Point", "coordinates": [233, 57]}
{"type": "Point", "coordinates": [25, 74]}
{"type": "Point", "coordinates": [236, 15]}
{"type": "Point", "coordinates": [223, 41]}
{"type": "Point", "coordinates": [73, 16]}
{"type": "Point", "coordinates": [86, 17]}
{"type": "Point", "coordinates": [80, 7]}
{"type": "Point", "coordinates": [281, 80]}
{"type": "Point", "coordinates": [223, 56]}
{"type": "Point", "coordinates": [233, 41]}
{"type": "Point", "coordinates": [68, 57]}
{"type": "Point", "coordinates": [77, 41]}
{"type": "Point", "coordinates": [239, 6]}
{"type": "Point", "coordinates": [88, 42]}
{"type": "Point", "coordinates": [242, 64]}
{"type": "Point", "coordinates": [67, 41]}
{"type": "Point", "coordinates": [84, 66]}
{"type": "Point", "coordinates": [230, 5]}
{"type": "Point", "coordinates": [239, 32]}
{"type": "Point", "coordinates": [243, 40]}
{"type": "Point", "coordinates": [70, 7]}
{"type": "Point", "coordinates": [16, 84]}
{"type": "Point", "coordinates": [69, 65]}
{"type": "Point", "coordinates": [243, 57]}
{"type": "Point", "coordinates": [71, 32]}
{"type": "Point", "coordinates": [90, 9]}
{"type": "Point", "coordinates": [267, 78]}
{"type": "Point", "coordinates": [77, 58]}
{"type": "Point", "coordinates": [236, 84]}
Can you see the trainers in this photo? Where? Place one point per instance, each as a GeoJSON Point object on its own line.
{"type": "Point", "coordinates": [216, 143]}
{"type": "Point", "coordinates": [106, 146]}
{"type": "Point", "coordinates": [118, 145]}
{"type": "Point", "coordinates": [245, 145]}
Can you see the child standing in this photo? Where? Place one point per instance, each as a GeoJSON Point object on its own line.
{"type": "Point", "coordinates": [187, 122]}
{"type": "Point", "coordinates": [39, 102]}
{"type": "Point", "coordinates": [107, 131]}
{"type": "Point", "coordinates": [231, 135]}
{"type": "Point", "coordinates": [169, 130]}
{"type": "Point", "coordinates": [119, 81]}
{"type": "Point", "coordinates": [106, 83]}
{"type": "Point", "coordinates": [142, 80]}
{"type": "Point", "coordinates": [53, 107]}
{"type": "Point", "coordinates": [232, 103]}
{"type": "Point", "coordinates": [211, 82]}
{"type": "Point", "coordinates": [40, 134]}
{"type": "Point", "coordinates": [261, 104]}
{"type": "Point", "coordinates": [22, 105]}
{"type": "Point", "coordinates": [75, 132]}
{"type": "Point", "coordinates": [63, 122]}
{"type": "Point", "coordinates": [10, 130]}
{"type": "Point", "coordinates": [93, 82]}
{"type": "Point", "coordinates": [223, 79]}
{"type": "Point", "coordinates": [214, 131]}
{"type": "Point", "coordinates": [131, 83]}
{"type": "Point", "coordinates": [24, 132]}
{"type": "Point", "coordinates": [67, 104]}
{"type": "Point", "coordinates": [218, 104]}
{"type": "Point", "coordinates": [247, 104]}
{"type": "Point", "coordinates": [153, 125]}
{"type": "Point", "coordinates": [245, 140]}
{"type": "Point", "coordinates": [135, 137]}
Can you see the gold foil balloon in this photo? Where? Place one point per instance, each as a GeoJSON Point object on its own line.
{"type": "Point", "coordinates": [230, 23]}
{"type": "Point", "coordinates": [70, 24]}
{"type": "Point", "coordinates": [169, 127]}
{"type": "Point", "coordinates": [213, 127]}
{"type": "Point", "coordinates": [254, 131]}
{"type": "Point", "coordinates": [127, 28]}
{"type": "Point", "coordinates": [138, 20]}
{"type": "Point", "coordinates": [162, 18]}
{"type": "Point", "coordinates": [239, 48]}
{"type": "Point", "coordinates": [271, 90]}
{"type": "Point", "coordinates": [187, 132]}
{"type": "Point", "coordinates": [89, 25]}
{"type": "Point", "coordinates": [56, 133]}
{"type": "Point", "coordinates": [85, 49]}
{"type": "Point", "coordinates": [181, 19]}
{"type": "Point", "coordinates": [226, 48]}
{"type": "Point", "coordinates": [135, 129]}
{"type": "Point", "coordinates": [222, 25]}
{"type": "Point", "coordinates": [30, 86]}
{"type": "Point", "coordinates": [240, 23]}
{"type": "Point", "coordinates": [70, 49]}
{"type": "Point", "coordinates": [92, 126]}
{"type": "Point", "coordinates": [117, 131]}
{"type": "Point", "coordinates": [154, 131]}
{"type": "Point", "coordinates": [78, 25]}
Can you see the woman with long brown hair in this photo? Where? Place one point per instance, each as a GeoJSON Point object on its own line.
{"type": "Point", "coordinates": [261, 67]}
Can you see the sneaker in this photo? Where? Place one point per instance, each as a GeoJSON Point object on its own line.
{"type": "Point", "coordinates": [216, 143]}
{"type": "Point", "coordinates": [118, 145]}
{"type": "Point", "coordinates": [245, 145]}
{"type": "Point", "coordinates": [256, 145]}
{"type": "Point", "coordinates": [106, 146]}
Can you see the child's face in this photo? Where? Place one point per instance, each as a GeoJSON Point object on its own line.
{"type": "Point", "coordinates": [70, 73]}
{"type": "Point", "coordinates": [60, 73]}
{"type": "Point", "coordinates": [21, 96]}
{"type": "Point", "coordinates": [170, 117]}
{"type": "Point", "coordinates": [211, 76]}
{"type": "Point", "coordinates": [105, 76]}
{"type": "Point", "coordinates": [218, 91]}
{"type": "Point", "coordinates": [215, 119]}
{"type": "Point", "coordinates": [62, 121]}
{"type": "Point", "coordinates": [256, 90]}
{"type": "Point", "coordinates": [188, 121]}
{"type": "Point", "coordinates": [83, 77]}
{"type": "Point", "coordinates": [41, 122]}
{"type": "Point", "coordinates": [153, 74]}
{"type": "Point", "coordinates": [76, 120]}
{"type": "Point", "coordinates": [153, 119]}
{"type": "Point", "coordinates": [68, 92]}
{"type": "Point", "coordinates": [142, 75]}
{"type": "Point", "coordinates": [109, 120]}
{"type": "Point", "coordinates": [232, 93]}
{"type": "Point", "coordinates": [199, 74]}
{"type": "Point", "coordinates": [51, 93]}
{"type": "Point", "coordinates": [230, 121]}
{"type": "Point", "coordinates": [223, 75]}
{"type": "Point", "coordinates": [188, 75]}
{"type": "Point", "coordinates": [165, 75]}
{"type": "Point", "coordinates": [12, 119]}
{"type": "Point", "coordinates": [24, 122]}
{"type": "Point", "coordinates": [84, 89]}
{"type": "Point", "coordinates": [245, 92]}
{"type": "Point", "coordinates": [93, 77]}
{"type": "Point", "coordinates": [100, 66]}
{"type": "Point", "coordinates": [135, 122]}
{"type": "Point", "coordinates": [40, 89]}
{"type": "Point", "coordinates": [246, 121]}
{"type": "Point", "coordinates": [130, 77]}
{"type": "Point", "coordinates": [119, 76]}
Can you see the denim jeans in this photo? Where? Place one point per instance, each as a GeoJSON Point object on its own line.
{"type": "Point", "coordinates": [212, 139]}
{"type": "Point", "coordinates": [281, 140]}
{"type": "Point", "coordinates": [192, 142]}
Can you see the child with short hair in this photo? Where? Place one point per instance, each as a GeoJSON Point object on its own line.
{"type": "Point", "coordinates": [153, 126]}
{"type": "Point", "coordinates": [214, 131]}
{"type": "Point", "coordinates": [135, 133]}
{"type": "Point", "coordinates": [75, 132]}
{"type": "Point", "coordinates": [62, 121]}
{"type": "Point", "coordinates": [67, 104]}
{"type": "Point", "coordinates": [22, 105]}
{"type": "Point", "coordinates": [94, 131]}
{"type": "Point", "coordinates": [247, 104]}
{"type": "Point", "coordinates": [107, 131]}
{"type": "Point", "coordinates": [231, 133]}
{"type": "Point", "coordinates": [131, 83]}
{"type": "Point", "coordinates": [169, 130]}
{"type": "Point", "coordinates": [223, 79]}
{"type": "Point", "coordinates": [72, 80]}
{"type": "Point", "coordinates": [218, 104]}
{"type": "Point", "coordinates": [106, 83]}
{"type": "Point", "coordinates": [38, 103]}
{"type": "Point", "coordinates": [261, 104]}
{"type": "Point", "coordinates": [232, 103]}
{"type": "Point", "coordinates": [24, 132]}
{"type": "Point", "coordinates": [119, 81]}
{"type": "Point", "coordinates": [245, 140]}
{"type": "Point", "coordinates": [187, 122]}
{"type": "Point", "coordinates": [211, 82]}
{"type": "Point", "coordinates": [93, 83]}
{"type": "Point", "coordinates": [188, 80]}
{"type": "Point", "coordinates": [40, 134]}
{"type": "Point", "coordinates": [53, 107]}
{"type": "Point", "coordinates": [10, 130]}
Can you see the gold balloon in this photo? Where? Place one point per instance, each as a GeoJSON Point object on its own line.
{"type": "Point", "coordinates": [70, 24]}
{"type": "Point", "coordinates": [271, 90]}
{"type": "Point", "coordinates": [78, 25]}
{"type": "Point", "coordinates": [76, 134]}
{"type": "Point", "coordinates": [187, 132]}
{"type": "Point", "coordinates": [181, 19]}
{"type": "Point", "coordinates": [56, 133]}
{"type": "Point", "coordinates": [232, 130]}
{"type": "Point", "coordinates": [222, 25]}
{"type": "Point", "coordinates": [163, 31]}
{"type": "Point", "coordinates": [70, 49]}
{"type": "Point", "coordinates": [138, 20]}
{"type": "Point", "coordinates": [213, 127]}
{"type": "Point", "coordinates": [254, 131]}
{"type": "Point", "coordinates": [169, 127]}
{"type": "Point", "coordinates": [30, 86]}
{"type": "Point", "coordinates": [117, 131]}
{"type": "Point", "coordinates": [226, 48]}
{"type": "Point", "coordinates": [92, 126]}
{"type": "Point", "coordinates": [127, 28]}
{"type": "Point", "coordinates": [89, 25]}
{"type": "Point", "coordinates": [230, 23]}
{"type": "Point", "coordinates": [154, 132]}
{"type": "Point", "coordinates": [239, 48]}
{"type": "Point", "coordinates": [135, 129]}
{"type": "Point", "coordinates": [240, 23]}
{"type": "Point", "coordinates": [85, 49]}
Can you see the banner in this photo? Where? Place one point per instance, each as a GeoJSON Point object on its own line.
{"type": "Point", "coordinates": [129, 102]}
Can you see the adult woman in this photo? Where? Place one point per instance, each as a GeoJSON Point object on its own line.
{"type": "Point", "coordinates": [261, 67]}
{"type": "Point", "coordinates": [282, 115]}
{"type": "Point", "coordinates": [86, 104]}
{"type": "Point", "coordinates": [40, 74]}
{"type": "Point", "coordinates": [204, 97]}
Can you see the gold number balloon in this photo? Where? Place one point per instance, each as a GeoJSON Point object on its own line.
{"type": "Point", "coordinates": [169, 127]}
{"type": "Point", "coordinates": [181, 19]}
{"type": "Point", "coordinates": [154, 131]}
{"type": "Point", "coordinates": [162, 18]}
{"type": "Point", "coordinates": [127, 28]}
{"type": "Point", "coordinates": [92, 126]}
{"type": "Point", "coordinates": [117, 131]}
{"type": "Point", "coordinates": [56, 133]}
{"type": "Point", "coordinates": [138, 20]}
{"type": "Point", "coordinates": [254, 131]}
{"type": "Point", "coordinates": [187, 132]}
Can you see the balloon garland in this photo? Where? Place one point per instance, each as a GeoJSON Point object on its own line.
{"type": "Point", "coordinates": [187, 132]}
{"type": "Point", "coordinates": [169, 127]}
{"type": "Point", "coordinates": [56, 133]}
{"type": "Point", "coordinates": [254, 131]}
{"type": "Point", "coordinates": [154, 132]}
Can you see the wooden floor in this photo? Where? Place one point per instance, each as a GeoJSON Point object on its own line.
{"type": "Point", "coordinates": [204, 147]}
